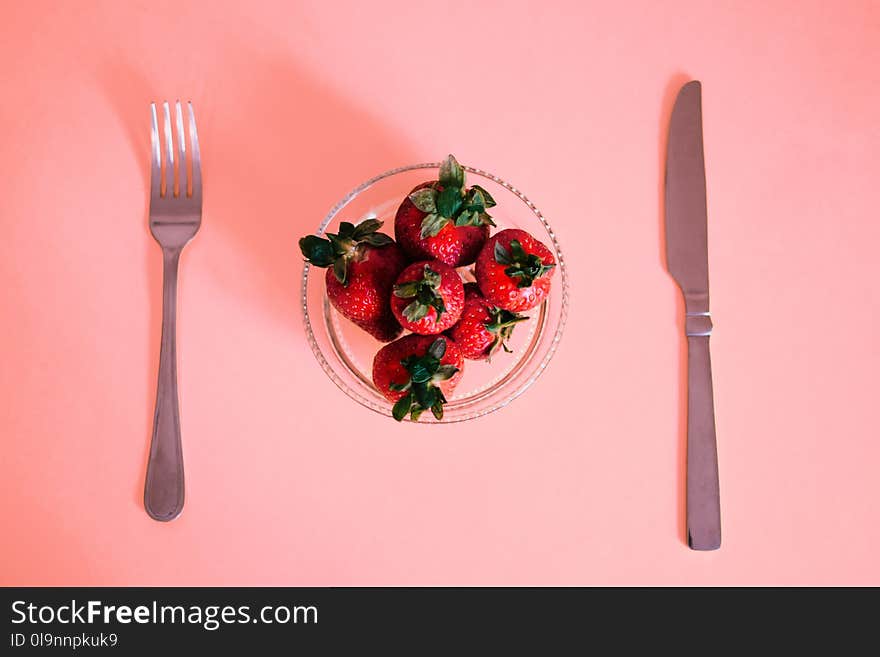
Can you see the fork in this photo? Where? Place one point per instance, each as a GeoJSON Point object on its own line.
{"type": "Point", "coordinates": [175, 216]}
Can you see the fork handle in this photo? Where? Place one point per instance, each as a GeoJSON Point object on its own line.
{"type": "Point", "coordinates": [163, 490]}
{"type": "Point", "coordinates": [703, 503]}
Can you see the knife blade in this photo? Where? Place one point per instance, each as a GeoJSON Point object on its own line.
{"type": "Point", "coordinates": [687, 260]}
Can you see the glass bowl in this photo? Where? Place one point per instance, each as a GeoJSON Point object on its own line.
{"type": "Point", "coordinates": [345, 352]}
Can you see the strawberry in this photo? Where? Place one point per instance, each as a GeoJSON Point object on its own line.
{"type": "Point", "coordinates": [514, 270]}
{"type": "Point", "coordinates": [428, 297]}
{"type": "Point", "coordinates": [443, 220]}
{"type": "Point", "coordinates": [416, 372]}
{"type": "Point", "coordinates": [483, 328]}
{"type": "Point", "coordinates": [362, 266]}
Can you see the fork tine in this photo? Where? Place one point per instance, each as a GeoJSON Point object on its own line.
{"type": "Point", "coordinates": [196, 156]}
{"type": "Point", "coordinates": [181, 150]}
{"type": "Point", "coordinates": [169, 163]}
{"type": "Point", "coordinates": [155, 156]}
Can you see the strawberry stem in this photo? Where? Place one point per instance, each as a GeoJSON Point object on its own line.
{"type": "Point", "coordinates": [449, 200]}
{"type": "Point", "coordinates": [425, 293]}
{"type": "Point", "coordinates": [425, 372]}
{"type": "Point", "coordinates": [338, 249]}
{"type": "Point", "coordinates": [524, 266]}
{"type": "Point", "coordinates": [501, 325]}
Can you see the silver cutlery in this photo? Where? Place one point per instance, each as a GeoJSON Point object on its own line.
{"type": "Point", "coordinates": [688, 262]}
{"type": "Point", "coordinates": [175, 217]}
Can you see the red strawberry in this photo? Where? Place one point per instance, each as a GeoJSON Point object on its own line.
{"type": "Point", "coordinates": [362, 267]}
{"type": "Point", "coordinates": [417, 372]}
{"type": "Point", "coordinates": [443, 220]}
{"type": "Point", "coordinates": [483, 328]}
{"type": "Point", "coordinates": [514, 270]}
{"type": "Point", "coordinates": [428, 297]}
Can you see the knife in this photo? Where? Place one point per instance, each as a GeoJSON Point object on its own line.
{"type": "Point", "coordinates": [688, 262]}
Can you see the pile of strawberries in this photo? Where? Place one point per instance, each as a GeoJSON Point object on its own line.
{"type": "Point", "coordinates": [386, 287]}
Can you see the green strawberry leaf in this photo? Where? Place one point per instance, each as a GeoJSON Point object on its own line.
{"type": "Point", "coordinates": [426, 295]}
{"type": "Point", "coordinates": [445, 372]}
{"type": "Point", "coordinates": [377, 239]}
{"type": "Point", "coordinates": [487, 199]}
{"type": "Point", "coordinates": [316, 250]}
{"type": "Point", "coordinates": [524, 266]}
{"type": "Point", "coordinates": [365, 228]}
{"type": "Point", "coordinates": [474, 217]}
{"type": "Point", "coordinates": [432, 224]}
{"type": "Point", "coordinates": [422, 370]}
{"type": "Point", "coordinates": [340, 270]}
{"type": "Point", "coordinates": [340, 244]}
{"type": "Point", "coordinates": [338, 248]}
{"type": "Point", "coordinates": [465, 218]}
{"type": "Point", "coordinates": [426, 395]}
{"type": "Point", "coordinates": [476, 200]}
{"type": "Point", "coordinates": [449, 201]}
{"type": "Point", "coordinates": [465, 207]}
{"type": "Point", "coordinates": [473, 209]}
{"type": "Point", "coordinates": [432, 278]}
{"type": "Point", "coordinates": [516, 251]}
{"type": "Point", "coordinates": [528, 272]}
{"type": "Point", "coordinates": [501, 325]}
{"type": "Point", "coordinates": [451, 173]}
{"type": "Point", "coordinates": [416, 311]}
{"type": "Point", "coordinates": [502, 319]}
{"type": "Point", "coordinates": [423, 393]}
{"type": "Point", "coordinates": [346, 229]}
{"type": "Point", "coordinates": [402, 407]}
{"type": "Point", "coordinates": [437, 348]}
{"type": "Point", "coordinates": [425, 199]}
{"type": "Point", "coordinates": [407, 290]}
{"type": "Point", "coordinates": [502, 257]}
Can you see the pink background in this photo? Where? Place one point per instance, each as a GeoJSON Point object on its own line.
{"type": "Point", "coordinates": [578, 482]}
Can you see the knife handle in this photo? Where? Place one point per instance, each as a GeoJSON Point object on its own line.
{"type": "Point", "coordinates": [703, 502]}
